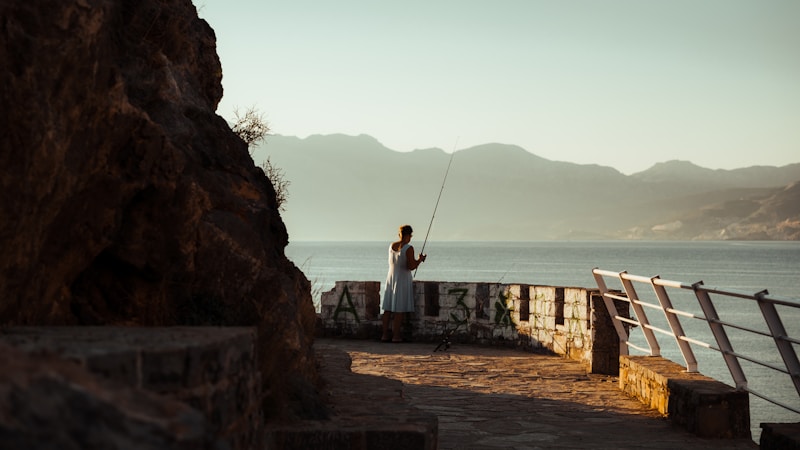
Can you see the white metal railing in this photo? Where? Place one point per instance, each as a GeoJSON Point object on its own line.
{"type": "Point", "coordinates": [719, 328]}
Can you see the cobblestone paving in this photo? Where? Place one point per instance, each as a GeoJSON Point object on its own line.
{"type": "Point", "coordinates": [493, 398]}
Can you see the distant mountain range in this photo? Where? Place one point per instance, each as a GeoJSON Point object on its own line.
{"type": "Point", "coordinates": [353, 188]}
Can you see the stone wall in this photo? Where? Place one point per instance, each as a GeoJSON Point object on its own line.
{"type": "Point", "coordinates": [130, 388]}
{"type": "Point", "coordinates": [552, 318]}
{"type": "Point", "coordinates": [352, 308]}
{"type": "Point", "coordinates": [702, 405]}
{"type": "Point", "coordinates": [780, 436]}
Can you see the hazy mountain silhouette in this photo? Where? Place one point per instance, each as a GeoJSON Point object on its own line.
{"type": "Point", "coordinates": [354, 188]}
{"type": "Point", "coordinates": [694, 177]}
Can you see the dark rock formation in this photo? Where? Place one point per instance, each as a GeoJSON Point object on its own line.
{"type": "Point", "coordinates": [124, 198]}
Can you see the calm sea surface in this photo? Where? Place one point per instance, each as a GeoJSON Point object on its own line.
{"type": "Point", "coordinates": [742, 266]}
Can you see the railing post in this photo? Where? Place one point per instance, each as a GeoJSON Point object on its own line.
{"type": "Point", "coordinates": [675, 325]}
{"type": "Point", "coordinates": [641, 315]}
{"type": "Point", "coordinates": [612, 311]}
{"type": "Point", "coordinates": [778, 332]}
{"type": "Point", "coordinates": [767, 304]}
{"type": "Point", "coordinates": [712, 318]}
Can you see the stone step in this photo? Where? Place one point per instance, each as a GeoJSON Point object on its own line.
{"type": "Point", "coordinates": [211, 369]}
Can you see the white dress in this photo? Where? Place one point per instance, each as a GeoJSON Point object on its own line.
{"type": "Point", "coordinates": [399, 293]}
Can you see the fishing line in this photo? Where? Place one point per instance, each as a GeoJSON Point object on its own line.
{"type": "Point", "coordinates": [422, 252]}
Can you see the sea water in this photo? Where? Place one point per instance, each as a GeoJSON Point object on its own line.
{"type": "Point", "coordinates": [741, 265]}
{"type": "Point", "coordinates": [747, 266]}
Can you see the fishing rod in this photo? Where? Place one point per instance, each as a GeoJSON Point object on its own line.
{"type": "Point", "coordinates": [422, 252]}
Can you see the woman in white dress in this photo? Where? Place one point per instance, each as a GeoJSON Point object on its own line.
{"type": "Point", "coordinates": [398, 297]}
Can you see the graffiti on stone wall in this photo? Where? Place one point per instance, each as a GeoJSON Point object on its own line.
{"type": "Point", "coordinates": [502, 311]}
{"type": "Point", "coordinates": [350, 308]}
{"type": "Point", "coordinates": [460, 306]}
{"type": "Point", "coordinates": [503, 308]}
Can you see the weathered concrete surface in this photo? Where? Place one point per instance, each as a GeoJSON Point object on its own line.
{"type": "Point", "coordinates": [496, 398]}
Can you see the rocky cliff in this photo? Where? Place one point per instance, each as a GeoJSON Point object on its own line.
{"type": "Point", "coordinates": [124, 198]}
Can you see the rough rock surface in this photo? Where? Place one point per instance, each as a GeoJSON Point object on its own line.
{"type": "Point", "coordinates": [47, 402]}
{"type": "Point", "coordinates": [124, 198]}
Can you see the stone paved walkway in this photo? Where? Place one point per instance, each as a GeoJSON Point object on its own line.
{"type": "Point", "coordinates": [493, 398]}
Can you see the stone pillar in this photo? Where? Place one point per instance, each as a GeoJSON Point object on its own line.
{"type": "Point", "coordinates": [605, 341]}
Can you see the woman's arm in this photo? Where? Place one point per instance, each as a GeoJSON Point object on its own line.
{"type": "Point", "coordinates": [412, 263]}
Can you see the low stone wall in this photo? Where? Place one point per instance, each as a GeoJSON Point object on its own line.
{"type": "Point", "coordinates": [183, 388]}
{"type": "Point", "coordinates": [210, 369]}
{"type": "Point", "coordinates": [563, 320]}
{"type": "Point", "coordinates": [780, 436]}
{"type": "Point", "coordinates": [702, 405]}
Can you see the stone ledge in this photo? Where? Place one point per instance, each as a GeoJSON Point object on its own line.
{"type": "Point", "coordinates": [47, 402]}
{"type": "Point", "coordinates": [780, 436]}
{"type": "Point", "coordinates": [366, 412]}
{"type": "Point", "coordinates": [702, 405]}
{"type": "Point", "coordinates": [210, 369]}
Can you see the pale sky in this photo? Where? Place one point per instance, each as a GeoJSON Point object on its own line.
{"type": "Point", "coordinates": [620, 83]}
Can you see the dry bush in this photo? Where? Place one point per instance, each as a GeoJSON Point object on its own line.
{"type": "Point", "coordinates": [252, 128]}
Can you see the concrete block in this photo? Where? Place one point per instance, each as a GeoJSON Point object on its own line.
{"type": "Point", "coordinates": [544, 293]}
{"type": "Point", "coordinates": [576, 304]}
{"type": "Point", "coordinates": [702, 405]}
{"type": "Point", "coordinates": [709, 408]}
{"type": "Point", "coordinates": [512, 290]}
{"type": "Point", "coordinates": [780, 436]}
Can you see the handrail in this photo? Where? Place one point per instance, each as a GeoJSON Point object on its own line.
{"type": "Point", "coordinates": [766, 303]}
